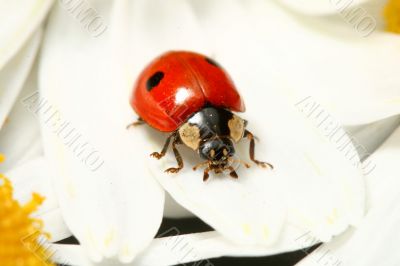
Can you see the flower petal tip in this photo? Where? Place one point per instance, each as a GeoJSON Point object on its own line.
{"type": "Point", "coordinates": [127, 253]}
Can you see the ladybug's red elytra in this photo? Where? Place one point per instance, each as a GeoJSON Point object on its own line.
{"type": "Point", "coordinates": [192, 97]}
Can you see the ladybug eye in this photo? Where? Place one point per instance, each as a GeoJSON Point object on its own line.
{"type": "Point", "coordinates": [154, 80]}
{"type": "Point", "coordinates": [212, 62]}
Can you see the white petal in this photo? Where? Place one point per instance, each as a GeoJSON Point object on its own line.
{"type": "Point", "coordinates": [317, 7]}
{"type": "Point", "coordinates": [20, 138]}
{"type": "Point", "coordinates": [364, 246]}
{"type": "Point", "coordinates": [341, 71]}
{"type": "Point", "coordinates": [202, 246]}
{"type": "Point", "coordinates": [367, 89]}
{"type": "Point", "coordinates": [34, 176]}
{"type": "Point", "coordinates": [14, 74]}
{"type": "Point", "coordinates": [185, 249]}
{"type": "Point", "coordinates": [73, 255]}
{"type": "Point", "coordinates": [107, 195]}
{"type": "Point", "coordinates": [20, 19]}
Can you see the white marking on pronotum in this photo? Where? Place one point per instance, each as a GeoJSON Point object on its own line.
{"type": "Point", "coordinates": [236, 128]}
{"type": "Point", "coordinates": [190, 135]}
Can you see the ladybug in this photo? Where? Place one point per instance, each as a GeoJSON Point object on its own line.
{"type": "Point", "coordinates": [191, 96]}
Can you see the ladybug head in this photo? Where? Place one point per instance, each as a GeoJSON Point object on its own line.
{"type": "Point", "coordinates": [217, 151]}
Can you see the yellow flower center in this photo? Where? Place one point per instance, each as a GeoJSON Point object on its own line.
{"type": "Point", "coordinates": [21, 236]}
{"type": "Point", "coordinates": [392, 16]}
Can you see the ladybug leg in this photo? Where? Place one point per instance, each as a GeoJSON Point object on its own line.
{"type": "Point", "coordinates": [200, 165]}
{"type": "Point", "coordinates": [232, 172]}
{"type": "Point", "coordinates": [250, 136]}
{"type": "Point", "coordinates": [164, 149]}
{"type": "Point", "coordinates": [206, 175]}
{"type": "Point", "coordinates": [178, 157]}
{"type": "Point", "coordinates": [138, 122]}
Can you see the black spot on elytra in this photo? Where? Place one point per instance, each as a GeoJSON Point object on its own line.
{"type": "Point", "coordinates": [212, 62]}
{"type": "Point", "coordinates": [154, 80]}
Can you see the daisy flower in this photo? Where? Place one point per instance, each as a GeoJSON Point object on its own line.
{"type": "Point", "coordinates": [319, 97]}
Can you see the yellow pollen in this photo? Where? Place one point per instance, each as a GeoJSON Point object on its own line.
{"type": "Point", "coordinates": [20, 234]}
{"type": "Point", "coordinates": [392, 16]}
